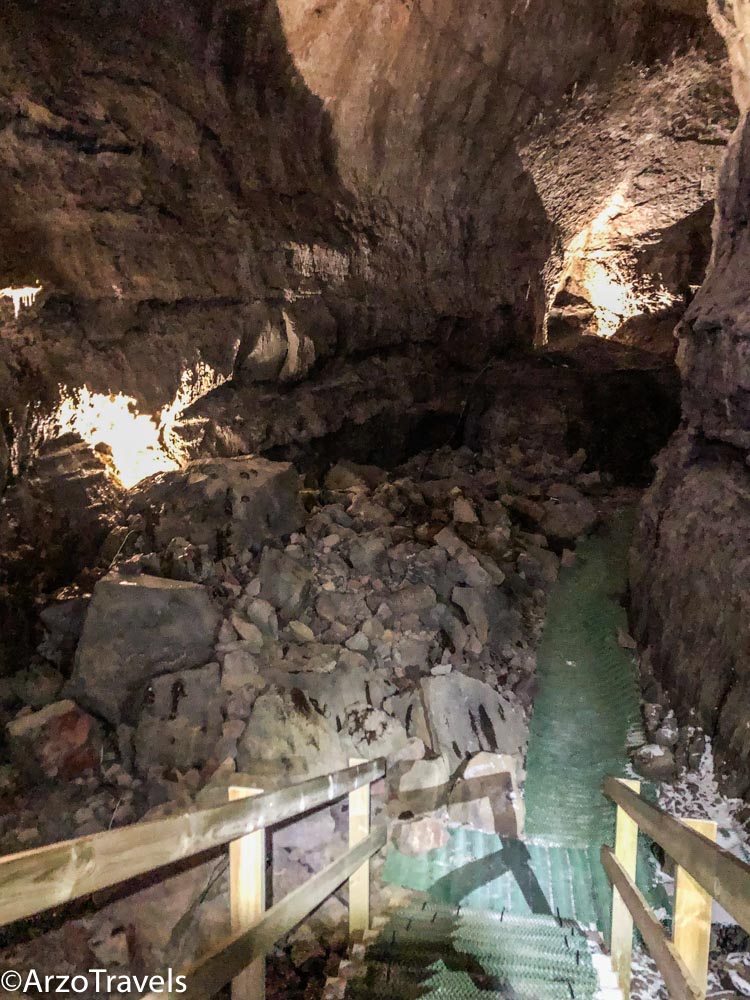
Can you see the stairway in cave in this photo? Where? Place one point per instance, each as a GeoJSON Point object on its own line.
{"type": "Point", "coordinates": [496, 917]}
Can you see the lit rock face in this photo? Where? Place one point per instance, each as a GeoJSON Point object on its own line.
{"type": "Point", "coordinates": [217, 193]}
{"type": "Point", "coordinates": [627, 174]}
{"type": "Point", "coordinates": [690, 558]}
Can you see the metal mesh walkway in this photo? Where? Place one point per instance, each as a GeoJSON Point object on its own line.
{"type": "Point", "coordinates": [588, 705]}
{"type": "Point", "coordinates": [440, 953]}
{"type": "Point", "coordinates": [486, 872]}
{"type": "Point", "coordinates": [528, 897]}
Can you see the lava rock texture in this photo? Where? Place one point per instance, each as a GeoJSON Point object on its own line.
{"type": "Point", "coordinates": [690, 556]}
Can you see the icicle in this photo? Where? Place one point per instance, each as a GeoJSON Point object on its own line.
{"type": "Point", "coordinates": [21, 296]}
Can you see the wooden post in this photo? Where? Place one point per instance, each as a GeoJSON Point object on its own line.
{"type": "Point", "coordinates": [692, 915]}
{"type": "Point", "coordinates": [359, 882]}
{"type": "Point", "coordinates": [626, 852]}
{"type": "Point", "coordinates": [247, 897]}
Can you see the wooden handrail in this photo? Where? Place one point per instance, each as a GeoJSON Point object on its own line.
{"type": "Point", "coordinates": [705, 872]}
{"type": "Point", "coordinates": [33, 881]}
{"type": "Point", "coordinates": [221, 966]}
{"type": "Point", "coordinates": [724, 877]}
{"type": "Point", "coordinates": [678, 980]}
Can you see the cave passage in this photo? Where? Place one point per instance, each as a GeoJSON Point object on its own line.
{"type": "Point", "coordinates": [373, 383]}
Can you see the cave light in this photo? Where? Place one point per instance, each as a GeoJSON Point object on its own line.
{"type": "Point", "coordinates": [141, 444]}
{"type": "Point", "coordinates": [133, 437]}
{"type": "Point", "coordinates": [594, 260]}
{"type": "Point", "coordinates": [21, 296]}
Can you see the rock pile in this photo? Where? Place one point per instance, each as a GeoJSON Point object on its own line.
{"type": "Point", "coordinates": [398, 617]}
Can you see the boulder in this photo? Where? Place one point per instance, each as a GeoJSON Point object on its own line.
{"type": "Point", "coordinates": [228, 504]}
{"type": "Point", "coordinates": [310, 833]}
{"type": "Point", "coordinates": [465, 715]}
{"type": "Point", "coordinates": [655, 762]}
{"type": "Point", "coordinates": [60, 741]}
{"type": "Point", "coordinates": [181, 720]}
{"type": "Point", "coordinates": [137, 628]}
{"type": "Point", "coordinates": [486, 796]}
{"type": "Point", "coordinates": [424, 785]}
{"type": "Point", "coordinates": [373, 733]}
{"type": "Point", "coordinates": [568, 519]}
{"type": "Point", "coordinates": [284, 582]}
{"type": "Point", "coordinates": [288, 734]}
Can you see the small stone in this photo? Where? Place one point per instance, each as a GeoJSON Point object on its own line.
{"type": "Point", "coordinates": [463, 512]}
{"type": "Point", "coordinates": [301, 633]}
{"type": "Point", "coordinates": [262, 614]}
{"type": "Point", "coordinates": [358, 643]}
{"type": "Point", "coordinates": [249, 632]}
{"type": "Point", "coordinates": [625, 640]}
{"type": "Point", "coordinates": [655, 762]}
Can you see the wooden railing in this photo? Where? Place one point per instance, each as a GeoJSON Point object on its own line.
{"type": "Point", "coordinates": [34, 881]}
{"type": "Point", "coordinates": [705, 872]}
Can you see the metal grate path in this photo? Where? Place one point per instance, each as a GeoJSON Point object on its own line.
{"type": "Point", "coordinates": [588, 705]}
{"type": "Point", "coordinates": [442, 953]}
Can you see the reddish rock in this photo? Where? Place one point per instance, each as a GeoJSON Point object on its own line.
{"type": "Point", "coordinates": [60, 741]}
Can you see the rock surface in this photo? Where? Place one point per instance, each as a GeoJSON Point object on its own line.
{"type": "Point", "coordinates": [59, 741]}
{"type": "Point", "coordinates": [690, 555]}
{"type": "Point", "coordinates": [136, 628]}
{"type": "Point", "coordinates": [227, 505]}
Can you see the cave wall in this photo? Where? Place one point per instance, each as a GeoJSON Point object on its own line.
{"type": "Point", "coordinates": [250, 192]}
{"type": "Point", "coordinates": [627, 173]}
{"type": "Point", "coordinates": [690, 564]}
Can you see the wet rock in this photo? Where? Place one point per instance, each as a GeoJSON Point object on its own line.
{"type": "Point", "coordinates": [181, 720]}
{"type": "Point", "coordinates": [59, 741]}
{"type": "Point", "coordinates": [227, 504]}
{"type": "Point", "coordinates": [137, 628]}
